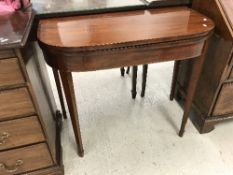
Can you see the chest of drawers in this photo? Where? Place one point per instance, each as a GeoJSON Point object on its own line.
{"type": "Point", "coordinates": [29, 123]}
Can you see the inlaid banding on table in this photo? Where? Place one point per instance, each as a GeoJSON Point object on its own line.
{"type": "Point", "coordinates": [99, 59]}
{"type": "Point", "coordinates": [129, 45]}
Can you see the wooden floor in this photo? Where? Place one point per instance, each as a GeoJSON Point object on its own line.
{"type": "Point", "coordinates": [139, 137]}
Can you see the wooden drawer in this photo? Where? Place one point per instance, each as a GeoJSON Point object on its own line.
{"type": "Point", "coordinates": [15, 103]}
{"type": "Point", "coordinates": [57, 170]}
{"type": "Point", "coordinates": [10, 72]}
{"type": "Point", "coordinates": [6, 53]}
{"type": "Point", "coordinates": [224, 104]}
{"type": "Point", "coordinates": [25, 159]}
{"type": "Point", "coordinates": [20, 132]}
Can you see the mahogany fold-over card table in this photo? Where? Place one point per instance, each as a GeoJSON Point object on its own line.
{"type": "Point", "coordinates": [114, 40]}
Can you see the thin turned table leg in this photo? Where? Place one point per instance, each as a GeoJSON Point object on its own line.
{"type": "Point", "coordinates": [68, 86]}
{"type": "Point", "coordinates": [128, 70]}
{"type": "Point", "coordinates": [196, 72]}
{"type": "Point", "coordinates": [122, 71]}
{"type": "Point", "coordinates": [144, 78]}
{"type": "Point", "coordinates": [134, 82]}
{"type": "Point", "coordinates": [59, 90]}
{"type": "Point", "coordinates": [174, 79]}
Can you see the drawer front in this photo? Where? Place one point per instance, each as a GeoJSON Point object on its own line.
{"type": "Point", "coordinates": [25, 159]}
{"type": "Point", "coordinates": [14, 103]}
{"type": "Point", "coordinates": [20, 132]}
{"type": "Point", "coordinates": [10, 72]}
{"type": "Point", "coordinates": [57, 170]}
{"type": "Point", "coordinates": [224, 104]}
{"type": "Point", "coordinates": [6, 53]}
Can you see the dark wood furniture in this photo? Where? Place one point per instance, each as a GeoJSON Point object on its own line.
{"type": "Point", "coordinates": [213, 102]}
{"type": "Point", "coordinates": [134, 79]}
{"type": "Point", "coordinates": [29, 127]}
{"type": "Point", "coordinates": [158, 35]}
{"type": "Point", "coordinates": [123, 71]}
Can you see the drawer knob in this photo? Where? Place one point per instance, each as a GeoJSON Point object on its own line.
{"type": "Point", "coordinates": [3, 137]}
{"type": "Point", "coordinates": [11, 169]}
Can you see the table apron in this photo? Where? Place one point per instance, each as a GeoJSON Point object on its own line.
{"type": "Point", "coordinates": [71, 61]}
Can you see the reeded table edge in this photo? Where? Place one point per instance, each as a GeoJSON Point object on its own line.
{"type": "Point", "coordinates": [124, 45]}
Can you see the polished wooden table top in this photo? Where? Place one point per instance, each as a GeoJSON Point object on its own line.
{"type": "Point", "coordinates": [156, 25]}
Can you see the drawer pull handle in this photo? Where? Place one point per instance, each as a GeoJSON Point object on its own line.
{"type": "Point", "coordinates": [3, 137]}
{"type": "Point", "coordinates": [11, 169]}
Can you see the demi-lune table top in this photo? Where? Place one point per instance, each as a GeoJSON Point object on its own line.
{"type": "Point", "coordinates": [156, 25]}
